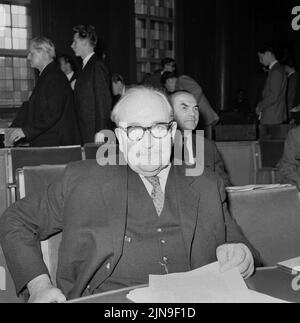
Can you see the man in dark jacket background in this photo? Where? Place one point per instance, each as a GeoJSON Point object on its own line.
{"type": "Point", "coordinates": [93, 99]}
{"type": "Point", "coordinates": [49, 118]}
{"type": "Point", "coordinates": [272, 108]}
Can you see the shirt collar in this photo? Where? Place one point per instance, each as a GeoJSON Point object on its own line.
{"type": "Point", "coordinates": [86, 60]}
{"type": "Point", "coordinates": [163, 178]}
{"type": "Point", "coordinates": [273, 64]}
{"type": "Point", "coordinates": [70, 75]}
{"type": "Point", "coordinates": [291, 73]}
{"type": "Point", "coordinates": [41, 72]}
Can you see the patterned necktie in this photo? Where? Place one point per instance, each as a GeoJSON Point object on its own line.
{"type": "Point", "coordinates": [157, 194]}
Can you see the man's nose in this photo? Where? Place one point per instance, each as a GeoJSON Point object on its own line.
{"type": "Point", "coordinates": [192, 113]}
{"type": "Point", "coordinates": [147, 140]}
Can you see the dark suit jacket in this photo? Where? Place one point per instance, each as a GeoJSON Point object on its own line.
{"type": "Point", "coordinates": [90, 205]}
{"type": "Point", "coordinates": [93, 99]}
{"type": "Point", "coordinates": [291, 90]}
{"type": "Point", "coordinates": [297, 92]}
{"type": "Point", "coordinates": [213, 160]}
{"type": "Point", "coordinates": [273, 104]}
{"type": "Point", "coordinates": [49, 118]}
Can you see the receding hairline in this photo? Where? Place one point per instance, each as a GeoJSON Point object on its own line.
{"type": "Point", "coordinates": [138, 92]}
{"type": "Point", "coordinates": [177, 94]}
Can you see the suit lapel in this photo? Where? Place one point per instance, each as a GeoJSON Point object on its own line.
{"type": "Point", "coordinates": [115, 196]}
{"type": "Point", "coordinates": [188, 203]}
{"type": "Point", "coordinates": [85, 72]}
{"type": "Point", "coordinates": [89, 63]}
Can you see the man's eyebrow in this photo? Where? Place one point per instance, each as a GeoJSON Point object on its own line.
{"type": "Point", "coordinates": [132, 124]}
{"type": "Point", "coordinates": [184, 104]}
{"type": "Point", "coordinates": [139, 125]}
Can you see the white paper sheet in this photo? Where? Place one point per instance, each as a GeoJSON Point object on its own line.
{"type": "Point", "coordinates": [249, 188]}
{"type": "Point", "coordinates": [204, 285]}
{"type": "Point", "coordinates": [291, 264]}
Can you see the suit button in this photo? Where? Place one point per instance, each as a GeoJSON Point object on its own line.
{"type": "Point", "coordinates": [159, 230]}
{"type": "Point", "coordinates": [108, 266]}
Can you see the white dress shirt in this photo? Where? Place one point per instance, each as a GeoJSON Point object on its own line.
{"type": "Point", "coordinates": [273, 64]}
{"type": "Point", "coordinates": [163, 178]}
{"type": "Point", "coordinates": [86, 60]}
{"type": "Point", "coordinates": [69, 76]}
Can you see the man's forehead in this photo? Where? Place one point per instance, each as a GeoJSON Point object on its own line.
{"type": "Point", "coordinates": [184, 98]}
{"type": "Point", "coordinates": [141, 100]}
{"type": "Point", "coordinates": [76, 37]}
{"type": "Point", "coordinates": [139, 104]}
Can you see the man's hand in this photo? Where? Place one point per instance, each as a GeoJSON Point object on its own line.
{"type": "Point", "coordinates": [236, 255]}
{"type": "Point", "coordinates": [15, 135]}
{"type": "Point", "coordinates": [42, 291]}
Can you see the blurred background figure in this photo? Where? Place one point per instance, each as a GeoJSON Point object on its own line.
{"type": "Point", "coordinates": [118, 87]}
{"type": "Point", "coordinates": [240, 103]}
{"type": "Point", "coordinates": [154, 80]}
{"type": "Point", "coordinates": [68, 66]}
{"type": "Point", "coordinates": [292, 97]}
{"type": "Point", "coordinates": [272, 108]}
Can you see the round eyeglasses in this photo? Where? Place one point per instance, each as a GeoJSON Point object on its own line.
{"type": "Point", "coordinates": [158, 131]}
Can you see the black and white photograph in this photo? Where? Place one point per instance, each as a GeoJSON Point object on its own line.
{"type": "Point", "coordinates": [149, 154]}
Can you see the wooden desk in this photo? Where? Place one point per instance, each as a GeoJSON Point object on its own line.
{"type": "Point", "coordinates": [269, 281]}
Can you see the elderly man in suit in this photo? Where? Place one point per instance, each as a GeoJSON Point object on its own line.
{"type": "Point", "coordinates": [187, 114]}
{"type": "Point", "coordinates": [49, 118]}
{"type": "Point", "coordinates": [162, 221]}
{"type": "Point", "coordinates": [93, 99]}
{"type": "Point", "coordinates": [272, 108]}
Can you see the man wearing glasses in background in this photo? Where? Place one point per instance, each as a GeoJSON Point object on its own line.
{"type": "Point", "coordinates": [122, 223]}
